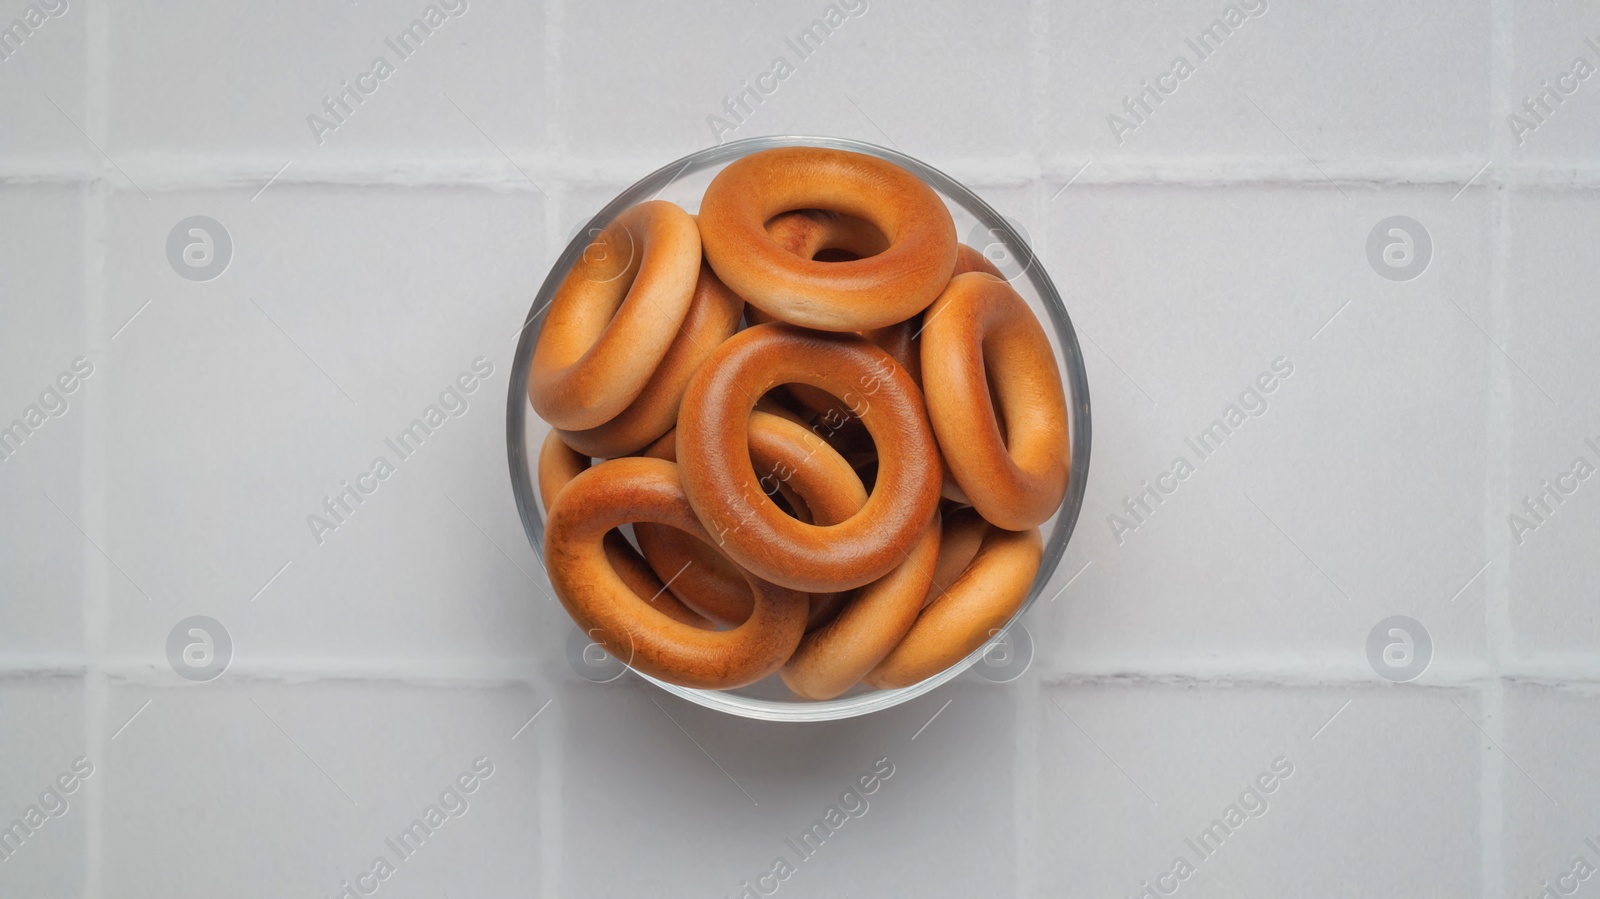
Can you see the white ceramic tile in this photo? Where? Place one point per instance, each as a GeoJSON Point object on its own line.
{"type": "Point", "coordinates": [1547, 785]}
{"type": "Point", "coordinates": [1380, 802]}
{"type": "Point", "coordinates": [633, 759]}
{"type": "Point", "coordinates": [835, 69]}
{"type": "Point", "coordinates": [48, 405]}
{"type": "Point", "coordinates": [1276, 81]}
{"type": "Point", "coordinates": [43, 61]}
{"type": "Point", "coordinates": [1550, 99]}
{"type": "Point", "coordinates": [616, 98]}
{"type": "Point", "coordinates": [52, 777]}
{"type": "Point", "coordinates": [251, 399]}
{"type": "Point", "coordinates": [43, 322]}
{"type": "Point", "coordinates": [979, 103]}
{"type": "Point", "coordinates": [1549, 339]}
{"type": "Point", "coordinates": [203, 79]}
{"type": "Point", "coordinates": [272, 790]}
{"type": "Point", "coordinates": [1312, 520]}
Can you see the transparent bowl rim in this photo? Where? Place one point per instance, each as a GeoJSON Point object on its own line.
{"type": "Point", "coordinates": [517, 408]}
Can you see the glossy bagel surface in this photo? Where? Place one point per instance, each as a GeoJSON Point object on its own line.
{"type": "Point", "coordinates": [614, 316]}
{"type": "Point", "coordinates": [870, 292]}
{"type": "Point", "coordinates": [725, 491]}
{"type": "Point", "coordinates": [622, 491]}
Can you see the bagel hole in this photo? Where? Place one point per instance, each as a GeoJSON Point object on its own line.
{"type": "Point", "coordinates": [629, 535]}
{"type": "Point", "coordinates": [783, 496]}
{"type": "Point", "coordinates": [834, 236]}
{"type": "Point", "coordinates": [869, 474]}
{"type": "Point", "coordinates": [781, 401]}
{"type": "Point", "coordinates": [835, 425]}
{"type": "Point", "coordinates": [990, 349]}
{"type": "Point", "coordinates": [775, 484]}
{"type": "Point", "coordinates": [841, 428]}
{"type": "Point", "coordinates": [999, 412]}
{"type": "Point", "coordinates": [832, 419]}
{"type": "Point", "coordinates": [834, 254]}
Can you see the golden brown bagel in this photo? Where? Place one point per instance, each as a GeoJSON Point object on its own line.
{"type": "Point", "coordinates": [981, 333]}
{"type": "Point", "coordinates": [724, 489]}
{"type": "Point", "coordinates": [815, 234]}
{"type": "Point", "coordinates": [637, 575]}
{"type": "Point", "coordinates": [828, 236]}
{"type": "Point", "coordinates": [970, 610]}
{"type": "Point", "coordinates": [812, 234]}
{"type": "Point", "coordinates": [701, 577]}
{"type": "Point", "coordinates": [969, 259]}
{"type": "Point", "coordinates": [620, 491]}
{"type": "Point", "coordinates": [558, 464]}
{"type": "Point", "coordinates": [898, 340]}
{"type": "Point", "coordinates": [831, 659]}
{"type": "Point", "coordinates": [713, 316]}
{"type": "Point", "coordinates": [787, 455]}
{"type": "Point", "coordinates": [613, 318]}
{"type": "Point", "coordinates": [872, 292]}
{"type": "Point", "coordinates": [958, 544]}
{"type": "Point", "coordinates": [808, 233]}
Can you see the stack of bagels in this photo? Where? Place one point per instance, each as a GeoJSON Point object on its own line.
{"type": "Point", "coordinates": [833, 429]}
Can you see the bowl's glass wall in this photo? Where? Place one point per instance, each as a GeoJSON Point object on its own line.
{"type": "Point", "coordinates": [684, 182]}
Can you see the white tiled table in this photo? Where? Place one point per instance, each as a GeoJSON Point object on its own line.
{"type": "Point", "coordinates": [1226, 635]}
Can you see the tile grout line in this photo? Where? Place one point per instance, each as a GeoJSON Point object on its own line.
{"type": "Point", "coordinates": [1497, 459]}
{"type": "Point", "coordinates": [96, 599]}
{"type": "Point", "coordinates": [1497, 626]}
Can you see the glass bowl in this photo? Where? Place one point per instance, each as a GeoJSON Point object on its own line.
{"type": "Point", "coordinates": [684, 182]}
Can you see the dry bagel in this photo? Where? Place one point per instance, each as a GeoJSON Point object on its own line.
{"type": "Point", "coordinates": [981, 334]}
{"type": "Point", "coordinates": [622, 491]}
{"type": "Point", "coordinates": [974, 606]}
{"type": "Point", "coordinates": [723, 487]}
{"type": "Point", "coordinates": [612, 320]}
{"type": "Point", "coordinates": [878, 290]}
{"type": "Point", "coordinates": [713, 316]}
